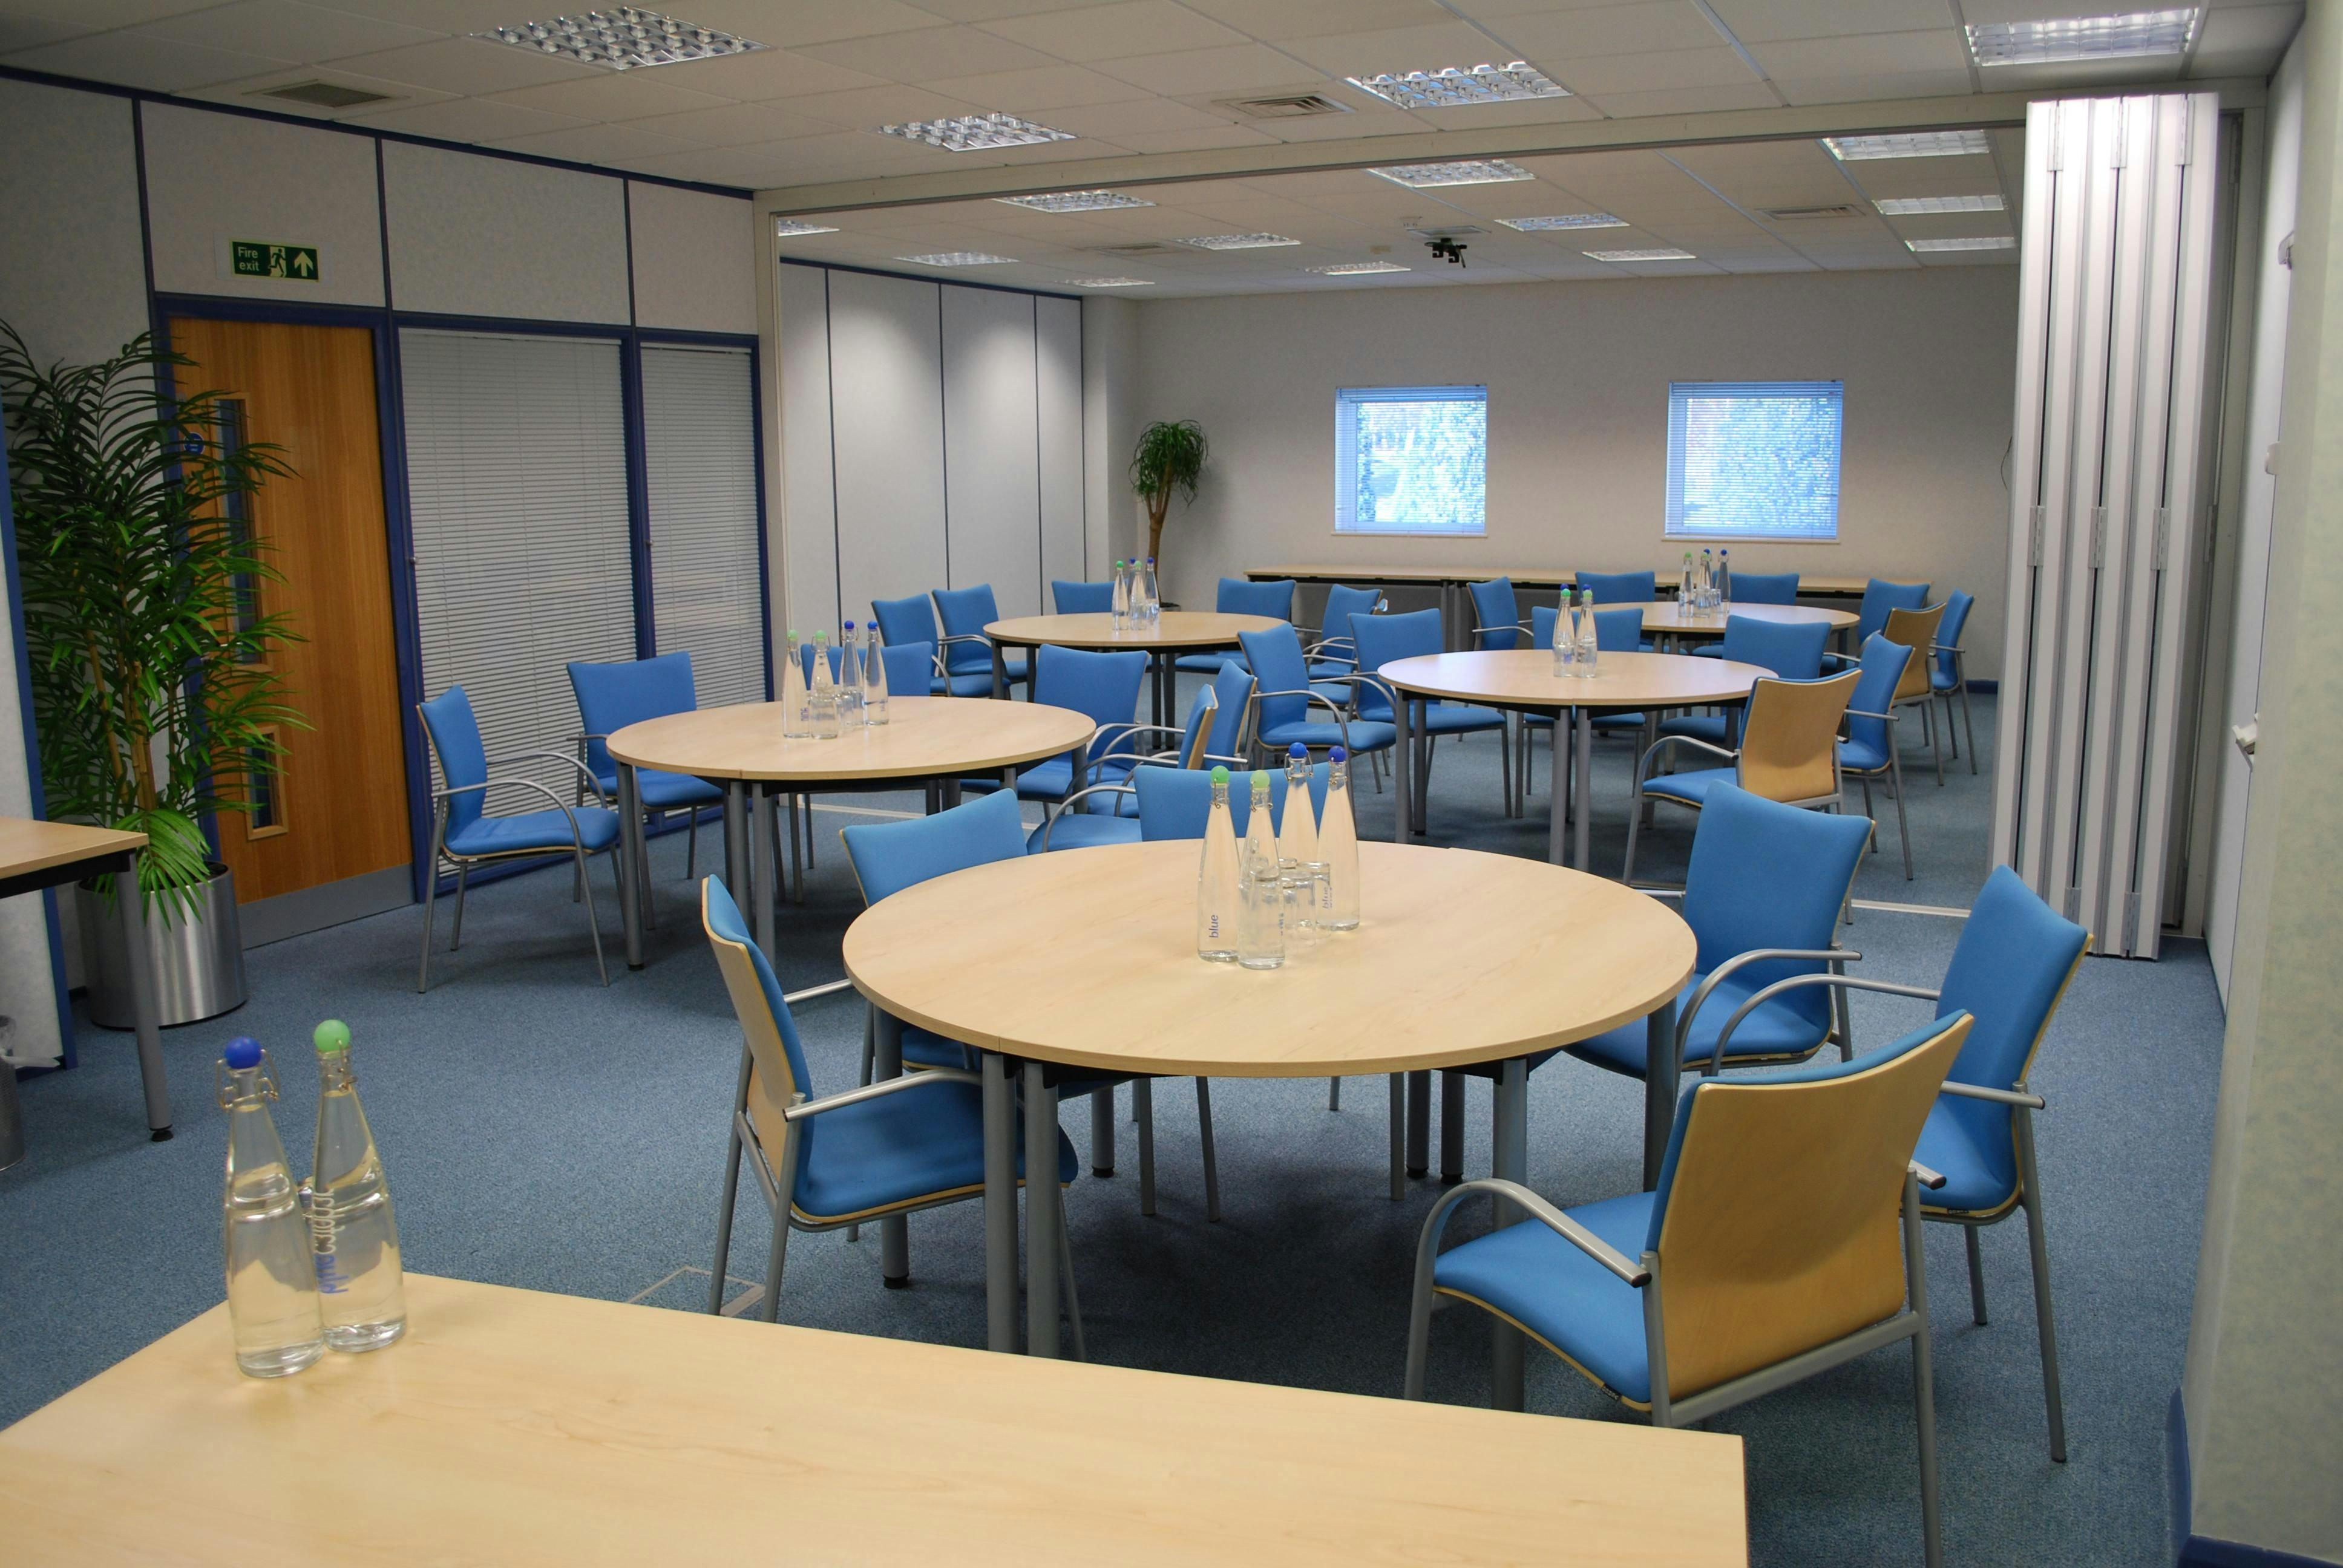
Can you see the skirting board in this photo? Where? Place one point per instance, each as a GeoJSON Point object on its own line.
{"type": "Point", "coordinates": [2194, 1550]}
{"type": "Point", "coordinates": [266, 920]}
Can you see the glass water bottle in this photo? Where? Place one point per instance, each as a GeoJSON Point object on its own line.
{"type": "Point", "coordinates": [272, 1288]}
{"type": "Point", "coordinates": [1260, 920]}
{"type": "Point", "coordinates": [353, 1232]}
{"type": "Point", "coordinates": [1216, 880]}
{"type": "Point", "coordinates": [796, 713]}
{"type": "Point", "coordinates": [1338, 846]}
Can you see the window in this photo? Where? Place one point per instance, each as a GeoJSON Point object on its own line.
{"type": "Point", "coordinates": [700, 442]}
{"type": "Point", "coordinates": [1754, 459]}
{"type": "Point", "coordinates": [1410, 460]}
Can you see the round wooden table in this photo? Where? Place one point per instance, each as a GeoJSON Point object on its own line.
{"type": "Point", "coordinates": [1670, 617]}
{"type": "Point", "coordinates": [1176, 632]}
{"type": "Point", "coordinates": [1461, 957]}
{"type": "Point", "coordinates": [741, 748]}
{"type": "Point", "coordinates": [1519, 679]}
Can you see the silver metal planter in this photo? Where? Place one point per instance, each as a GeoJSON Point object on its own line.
{"type": "Point", "coordinates": [198, 955]}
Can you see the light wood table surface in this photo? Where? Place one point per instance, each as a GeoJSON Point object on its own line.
{"type": "Point", "coordinates": [1175, 632]}
{"type": "Point", "coordinates": [35, 855]}
{"type": "Point", "coordinates": [1461, 958]}
{"type": "Point", "coordinates": [741, 747]}
{"type": "Point", "coordinates": [514, 1427]}
{"type": "Point", "coordinates": [1519, 679]}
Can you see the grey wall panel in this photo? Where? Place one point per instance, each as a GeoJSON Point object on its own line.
{"type": "Point", "coordinates": [992, 445]}
{"type": "Point", "coordinates": [885, 376]}
{"type": "Point", "coordinates": [488, 237]}
{"type": "Point", "coordinates": [1057, 396]}
{"type": "Point", "coordinates": [73, 279]}
{"type": "Point", "coordinates": [213, 177]}
{"type": "Point", "coordinates": [810, 564]}
{"type": "Point", "coordinates": [695, 260]}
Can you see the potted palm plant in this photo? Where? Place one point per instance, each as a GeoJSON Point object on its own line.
{"type": "Point", "coordinates": [152, 688]}
{"type": "Point", "coordinates": [1169, 457]}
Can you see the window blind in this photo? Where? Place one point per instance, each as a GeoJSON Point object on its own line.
{"type": "Point", "coordinates": [1410, 460]}
{"type": "Point", "coordinates": [517, 480]}
{"type": "Point", "coordinates": [1754, 459]}
{"type": "Point", "coordinates": [700, 442]}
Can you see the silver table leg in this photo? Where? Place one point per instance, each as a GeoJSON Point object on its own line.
{"type": "Point", "coordinates": [999, 1204]}
{"type": "Point", "coordinates": [1419, 1124]}
{"type": "Point", "coordinates": [1661, 1069]}
{"type": "Point", "coordinates": [761, 861]}
{"type": "Point", "coordinates": [736, 838]}
{"type": "Point", "coordinates": [632, 895]}
{"type": "Point", "coordinates": [1001, 672]}
{"type": "Point", "coordinates": [1564, 776]}
{"type": "Point", "coordinates": [1452, 1127]}
{"type": "Point", "coordinates": [145, 1014]}
{"type": "Point", "coordinates": [1507, 1348]}
{"type": "Point", "coordinates": [1403, 769]}
{"type": "Point", "coordinates": [1583, 770]}
{"type": "Point", "coordinates": [1040, 1212]}
{"type": "Point", "coordinates": [1103, 1132]}
{"type": "Point", "coordinates": [895, 1231]}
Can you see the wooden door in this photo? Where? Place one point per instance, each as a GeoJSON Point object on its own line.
{"type": "Point", "coordinates": [334, 806]}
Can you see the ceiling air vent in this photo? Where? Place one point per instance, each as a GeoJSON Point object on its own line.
{"type": "Point", "coordinates": [1143, 248]}
{"type": "Point", "coordinates": [1285, 106]}
{"type": "Point", "coordinates": [323, 95]}
{"type": "Point", "coordinates": [1805, 214]}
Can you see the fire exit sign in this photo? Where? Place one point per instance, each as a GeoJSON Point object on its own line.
{"type": "Point", "coordinates": [265, 258]}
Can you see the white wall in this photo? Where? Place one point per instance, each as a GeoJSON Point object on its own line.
{"type": "Point", "coordinates": [1110, 429]}
{"type": "Point", "coordinates": [1578, 378]}
{"type": "Point", "coordinates": [213, 177]}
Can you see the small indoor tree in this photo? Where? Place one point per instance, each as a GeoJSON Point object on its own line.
{"type": "Point", "coordinates": [1169, 457]}
{"type": "Point", "coordinates": [152, 688]}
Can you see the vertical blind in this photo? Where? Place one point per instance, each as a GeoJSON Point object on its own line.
{"type": "Point", "coordinates": [1754, 459]}
{"type": "Point", "coordinates": [516, 482]}
{"type": "Point", "coordinates": [699, 443]}
{"type": "Point", "coordinates": [1410, 460]}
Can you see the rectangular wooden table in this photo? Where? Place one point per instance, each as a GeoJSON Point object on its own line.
{"type": "Point", "coordinates": [515, 1427]}
{"type": "Point", "coordinates": [35, 855]}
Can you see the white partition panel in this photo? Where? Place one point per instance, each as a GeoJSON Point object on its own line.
{"type": "Point", "coordinates": [1058, 399]}
{"type": "Point", "coordinates": [887, 435]}
{"type": "Point", "coordinates": [992, 499]}
{"type": "Point", "coordinates": [809, 566]}
{"type": "Point", "coordinates": [2113, 420]}
{"type": "Point", "coordinates": [699, 461]}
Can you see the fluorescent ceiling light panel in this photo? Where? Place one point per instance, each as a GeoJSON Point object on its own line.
{"type": "Point", "coordinates": [1109, 283]}
{"type": "Point", "coordinates": [2134, 33]}
{"type": "Point", "coordinates": [1980, 242]}
{"type": "Point", "coordinates": [1469, 171]}
{"type": "Point", "coordinates": [957, 258]}
{"type": "Point", "coordinates": [1564, 220]}
{"type": "Point", "coordinates": [623, 38]}
{"type": "Point", "coordinates": [1642, 255]}
{"type": "Point", "coordinates": [1353, 269]}
{"type": "Point", "coordinates": [791, 227]}
{"type": "Point", "coordinates": [1909, 207]}
{"type": "Point", "coordinates": [1455, 86]}
{"type": "Point", "coordinates": [1074, 201]}
{"type": "Point", "coordinates": [974, 133]}
{"type": "Point", "coordinates": [1238, 241]}
{"type": "Point", "coordinates": [1908, 144]}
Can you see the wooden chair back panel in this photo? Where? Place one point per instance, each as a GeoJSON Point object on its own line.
{"type": "Point", "coordinates": [1789, 739]}
{"type": "Point", "coordinates": [1916, 629]}
{"type": "Point", "coordinates": [770, 1085]}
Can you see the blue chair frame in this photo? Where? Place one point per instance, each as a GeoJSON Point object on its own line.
{"type": "Point", "coordinates": [1948, 675]}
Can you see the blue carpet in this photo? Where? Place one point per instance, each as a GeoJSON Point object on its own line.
{"type": "Point", "coordinates": [543, 1131]}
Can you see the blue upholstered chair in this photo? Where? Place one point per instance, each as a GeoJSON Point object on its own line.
{"type": "Point", "coordinates": [1110, 811]}
{"type": "Point", "coordinates": [1331, 654]}
{"type": "Point", "coordinates": [2011, 968]}
{"type": "Point", "coordinates": [1869, 749]}
{"type": "Point", "coordinates": [1767, 1251]}
{"type": "Point", "coordinates": [903, 621]}
{"type": "Point", "coordinates": [889, 856]}
{"type": "Point", "coordinates": [1622, 588]}
{"type": "Point", "coordinates": [1081, 598]}
{"type": "Point", "coordinates": [1103, 688]}
{"type": "Point", "coordinates": [1948, 672]}
{"type": "Point", "coordinates": [1879, 597]}
{"type": "Point", "coordinates": [965, 613]}
{"type": "Point", "coordinates": [911, 669]}
{"type": "Point", "coordinates": [1240, 595]}
{"type": "Point", "coordinates": [1382, 638]}
{"type": "Point", "coordinates": [1756, 588]}
{"type": "Point", "coordinates": [1176, 802]}
{"type": "Point", "coordinates": [1497, 611]}
{"type": "Point", "coordinates": [463, 835]}
{"type": "Point", "coordinates": [829, 1163]}
{"type": "Point", "coordinates": [612, 696]}
{"type": "Point", "coordinates": [1280, 706]}
{"type": "Point", "coordinates": [1792, 650]}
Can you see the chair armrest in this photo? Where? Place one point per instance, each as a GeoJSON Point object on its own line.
{"type": "Point", "coordinates": [1999, 1096]}
{"type": "Point", "coordinates": [1925, 1176]}
{"type": "Point", "coordinates": [1792, 982]}
{"type": "Point", "coordinates": [1627, 1269]}
{"type": "Point", "coordinates": [564, 758]}
{"type": "Point", "coordinates": [805, 1107]}
{"type": "Point", "coordinates": [1644, 763]}
{"type": "Point", "coordinates": [1065, 805]}
{"type": "Point", "coordinates": [1860, 713]}
{"type": "Point", "coordinates": [962, 636]}
{"type": "Point", "coordinates": [445, 795]}
{"type": "Point", "coordinates": [816, 993]}
{"type": "Point", "coordinates": [1754, 955]}
{"type": "Point", "coordinates": [1520, 626]}
{"type": "Point", "coordinates": [1341, 719]}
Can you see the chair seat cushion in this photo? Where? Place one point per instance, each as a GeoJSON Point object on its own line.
{"type": "Point", "coordinates": [1366, 735]}
{"type": "Point", "coordinates": [898, 1149]}
{"type": "Point", "coordinates": [671, 791]}
{"type": "Point", "coordinates": [597, 828]}
{"type": "Point", "coordinates": [1710, 649]}
{"type": "Point", "coordinates": [1691, 787]}
{"type": "Point", "coordinates": [1559, 1293]}
{"type": "Point", "coordinates": [1713, 728]}
{"type": "Point", "coordinates": [1046, 780]}
{"type": "Point", "coordinates": [1330, 669]}
{"type": "Point", "coordinates": [966, 683]}
{"type": "Point", "coordinates": [924, 1047]}
{"type": "Point", "coordinates": [1210, 663]}
{"type": "Point", "coordinates": [1939, 681]}
{"type": "Point", "coordinates": [1978, 1177]}
{"type": "Point", "coordinates": [1775, 1031]}
{"type": "Point", "coordinates": [1459, 719]}
{"type": "Point", "coordinates": [1080, 830]}
{"type": "Point", "coordinates": [1861, 757]}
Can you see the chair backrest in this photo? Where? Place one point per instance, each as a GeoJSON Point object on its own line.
{"type": "Point", "coordinates": [1789, 738]}
{"type": "Point", "coordinates": [911, 667]}
{"type": "Point", "coordinates": [1879, 597]}
{"type": "Point", "coordinates": [1765, 587]}
{"type": "Point", "coordinates": [1342, 604]}
{"type": "Point", "coordinates": [1233, 687]}
{"type": "Point", "coordinates": [1176, 802]}
{"type": "Point", "coordinates": [614, 695]}
{"type": "Point", "coordinates": [1196, 735]}
{"type": "Point", "coordinates": [1916, 629]}
{"type": "Point", "coordinates": [1776, 1218]}
{"type": "Point", "coordinates": [1765, 875]}
{"type": "Point", "coordinates": [966, 612]}
{"type": "Point", "coordinates": [455, 736]}
{"type": "Point", "coordinates": [1382, 639]}
{"type": "Point", "coordinates": [1499, 611]}
{"type": "Point", "coordinates": [1240, 596]}
{"type": "Point", "coordinates": [1101, 687]}
{"type": "Point", "coordinates": [906, 620]}
{"type": "Point", "coordinates": [1081, 598]}
{"type": "Point", "coordinates": [1622, 587]}
{"type": "Point", "coordinates": [1958, 605]}
{"type": "Point", "coordinates": [1275, 656]}
{"type": "Point", "coordinates": [889, 856]}
{"type": "Point", "coordinates": [1791, 650]}
{"type": "Point", "coordinates": [777, 1064]}
{"type": "Point", "coordinates": [2013, 964]}
{"type": "Point", "coordinates": [1883, 673]}
{"type": "Point", "coordinates": [1616, 630]}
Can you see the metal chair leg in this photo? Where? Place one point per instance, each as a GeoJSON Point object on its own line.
{"type": "Point", "coordinates": [593, 921]}
{"type": "Point", "coordinates": [1142, 1104]}
{"type": "Point", "coordinates": [691, 849]}
{"type": "Point", "coordinates": [1072, 1298]}
{"type": "Point", "coordinates": [772, 1302]}
{"type": "Point", "coordinates": [1968, 721]}
{"type": "Point", "coordinates": [2038, 1243]}
{"type": "Point", "coordinates": [1212, 1163]}
{"type": "Point", "coordinates": [1935, 741]}
{"type": "Point", "coordinates": [1903, 817]}
{"type": "Point", "coordinates": [1977, 1276]}
{"type": "Point", "coordinates": [1398, 1136]}
{"type": "Point", "coordinates": [724, 1222]}
{"type": "Point", "coordinates": [1634, 824]}
{"type": "Point", "coordinates": [431, 907]}
{"type": "Point", "coordinates": [1924, 1395]}
{"type": "Point", "coordinates": [455, 934]}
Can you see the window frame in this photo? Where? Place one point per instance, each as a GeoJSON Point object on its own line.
{"type": "Point", "coordinates": [1671, 507]}
{"type": "Point", "coordinates": [1349, 398]}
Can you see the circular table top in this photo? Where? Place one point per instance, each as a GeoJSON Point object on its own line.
{"type": "Point", "coordinates": [924, 738]}
{"type": "Point", "coordinates": [1088, 957]}
{"type": "Point", "coordinates": [1177, 629]}
{"type": "Point", "coordinates": [1524, 677]}
{"type": "Point", "coordinates": [1672, 616]}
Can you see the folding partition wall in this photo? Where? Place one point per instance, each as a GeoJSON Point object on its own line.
{"type": "Point", "coordinates": [2112, 480]}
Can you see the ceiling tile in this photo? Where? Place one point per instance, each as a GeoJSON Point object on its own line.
{"type": "Point", "coordinates": [136, 60]}
{"type": "Point", "coordinates": [1113, 32]}
{"type": "Point", "coordinates": [465, 120]}
{"type": "Point", "coordinates": [994, 10]}
{"type": "Point", "coordinates": [867, 109]}
{"type": "Point", "coordinates": [458, 16]}
{"type": "Point", "coordinates": [1612, 30]}
{"type": "Point", "coordinates": [1757, 22]}
{"type": "Point", "coordinates": [595, 144]}
{"type": "Point", "coordinates": [1522, 112]}
{"type": "Point", "coordinates": [1192, 73]}
{"type": "Point", "coordinates": [612, 96]}
{"type": "Point", "coordinates": [469, 65]}
{"type": "Point", "coordinates": [1038, 89]}
{"type": "Point", "coordinates": [1939, 49]}
{"type": "Point", "coordinates": [1686, 101]}
{"type": "Point", "coordinates": [1115, 120]}
{"type": "Point", "coordinates": [923, 55]}
{"type": "Point", "coordinates": [284, 31]}
{"type": "Point", "coordinates": [1397, 49]}
{"type": "Point", "coordinates": [771, 73]}
{"type": "Point", "coordinates": [788, 23]}
{"type": "Point", "coordinates": [98, 16]}
{"type": "Point", "coordinates": [2246, 29]}
{"type": "Point", "coordinates": [1279, 19]}
{"type": "Point", "coordinates": [31, 31]}
{"type": "Point", "coordinates": [1805, 90]}
{"type": "Point", "coordinates": [245, 92]}
{"type": "Point", "coordinates": [1194, 141]}
{"type": "Point", "coordinates": [1607, 74]}
{"type": "Point", "coordinates": [732, 124]}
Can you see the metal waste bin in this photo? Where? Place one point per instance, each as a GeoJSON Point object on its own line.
{"type": "Point", "coordinates": [11, 1112]}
